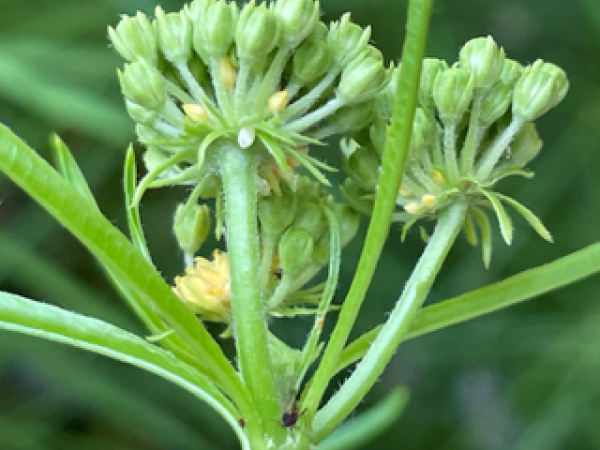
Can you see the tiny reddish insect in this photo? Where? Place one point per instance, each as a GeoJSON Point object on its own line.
{"type": "Point", "coordinates": [291, 415]}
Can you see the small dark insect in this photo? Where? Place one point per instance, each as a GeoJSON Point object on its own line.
{"type": "Point", "coordinates": [241, 422]}
{"type": "Point", "coordinates": [291, 416]}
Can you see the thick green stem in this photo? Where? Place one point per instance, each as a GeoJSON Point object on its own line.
{"type": "Point", "coordinates": [381, 351]}
{"type": "Point", "coordinates": [238, 172]}
{"type": "Point", "coordinates": [392, 167]}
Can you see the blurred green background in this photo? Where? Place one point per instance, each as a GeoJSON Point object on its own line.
{"type": "Point", "coordinates": [523, 379]}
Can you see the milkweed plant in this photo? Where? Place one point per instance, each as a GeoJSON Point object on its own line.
{"type": "Point", "coordinates": [231, 102]}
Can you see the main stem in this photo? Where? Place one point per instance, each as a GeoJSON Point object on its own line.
{"type": "Point", "coordinates": [394, 330]}
{"type": "Point", "coordinates": [238, 172]}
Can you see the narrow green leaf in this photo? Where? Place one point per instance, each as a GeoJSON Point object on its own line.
{"type": "Point", "coordinates": [276, 152]}
{"type": "Point", "coordinates": [136, 231]}
{"type": "Point", "coordinates": [68, 167]}
{"type": "Point", "coordinates": [506, 228]}
{"type": "Point", "coordinates": [486, 234]}
{"type": "Point", "coordinates": [523, 286]}
{"type": "Point", "coordinates": [26, 316]}
{"type": "Point", "coordinates": [367, 426]}
{"type": "Point", "coordinates": [160, 306]}
{"type": "Point", "coordinates": [530, 217]}
{"type": "Point", "coordinates": [469, 229]}
{"type": "Point", "coordinates": [309, 351]}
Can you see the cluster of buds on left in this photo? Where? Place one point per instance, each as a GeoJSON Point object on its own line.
{"type": "Point", "coordinates": [272, 79]}
{"type": "Point", "coordinates": [473, 126]}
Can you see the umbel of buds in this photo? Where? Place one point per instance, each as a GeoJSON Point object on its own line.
{"type": "Point", "coordinates": [271, 78]}
{"type": "Point", "coordinates": [473, 126]}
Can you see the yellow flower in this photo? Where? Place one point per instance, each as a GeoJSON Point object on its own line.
{"type": "Point", "coordinates": [205, 288]}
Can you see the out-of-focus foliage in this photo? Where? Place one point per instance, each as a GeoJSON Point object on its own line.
{"type": "Point", "coordinates": [524, 378]}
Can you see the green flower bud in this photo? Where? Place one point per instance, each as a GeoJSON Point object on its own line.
{"type": "Point", "coordinates": [154, 157]}
{"type": "Point", "coordinates": [297, 19]}
{"type": "Point", "coordinates": [423, 132]}
{"type": "Point", "coordinates": [213, 34]}
{"type": "Point", "coordinates": [146, 134]}
{"type": "Point", "coordinates": [361, 80]}
{"type": "Point", "coordinates": [484, 59]}
{"type": "Point", "coordinates": [134, 38]}
{"type": "Point", "coordinates": [495, 103]}
{"type": "Point", "coordinates": [295, 250]}
{"type": "Point", "coordinates": [256, 33]}
{"type": "Point", "coordinates": [140, 114]}
{"type": "Point", "coordinates": [312, 60]}
{"type": "Point", "coordinates": [321, 251]}
{"type": "Point", "coordinates": [541, 87]}
{"type": "Point", "coordinates": [191, 226]}
{"type": "Point", "coordinates": [348, 221]}
{"type": "Point", "coordinates": [311, 219]}
{"type": "Point", "coordinates": [143, 84]}
{"type": "Point", "coordinates": [429, 71]}
{"type": "Point", "coordinates": [377, 132]}
{"type": "Point", "coordinates": [196, 9]}
{"type": "Point", "coordinates": [363, 166]}
{"type": "Point", "coordinates": [452, 93]}
{"type": "Point", "coordinates": [352, 118]}
{"type": "Point", "coordinates": [511, 72]}
{"type": "Point", "coordinates": [525, 146]}
{"type": "Point", "coordinates": [276, 213]}
{"type": "Point", "coordinates": [347, 40]}
{"type": "Point", "coordinates": [174, 35]}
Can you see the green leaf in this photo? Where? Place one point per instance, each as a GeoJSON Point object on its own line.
{"type": "Point", "coordinates": [367, 426]}
{"type": "Point", "coordinates": [44, 321]}
{"type": "Point", "coordinates": [523, 286]}
{"type": "Point", "coordinates": [69, 168]}
{"type": "Point", "coordinates": [136, 231]}
{"type": "Point", "coordinates": [530, 217]}
{"type": "Point", "coordinates": [151, 296]}
{"type": "Point", "coordinates": [486, 234]}
{"type": "Point", "coordinates": [506, 228]}
{"type": "Point", "coordinates": [469, 229]}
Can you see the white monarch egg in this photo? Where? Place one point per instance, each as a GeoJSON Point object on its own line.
{"type": "Point", "coordinates": [246, 137]}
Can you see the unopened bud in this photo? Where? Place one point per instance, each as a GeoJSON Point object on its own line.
{"type": "Point", "coordinates": [511, 72]}
{"type": "Point", "coordinates": [134, 38]}
{"type": "Point", "coordinates": [452, 93]}
{"type": "Point", "coordinates": [191, 226]}
{"type": "Point", "coordinates": [484, 59]}
{"type": "Point", "coordinates": [143, 84]}
{"type": "Point", "coordinates": [541, 87]}
{"type": "Point", "coordinates": [429, 71]}
{"type": "Point", "coordinates": [297, 19]}
{"type": "Point", "coordinates": [311, 60]}
{"type": "Point", "coordinates": [494, 104]}
{"type": "Point", "coordinates": [347, 40]}
{"type": "Point", "coordinates": [174, 35]}
{"type": "Point", "coordinates": [361, 80]}
{"type": "Point", "coordinates": [213, 35]}
{"type": "Point", "coordinates": [256, 33]}
{"type": "Point", "coordinates": [295, 250]}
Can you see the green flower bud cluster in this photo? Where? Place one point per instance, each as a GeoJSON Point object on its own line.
{"type": "Point", "coordinates": [473, 126]}
{"type": "Point", "coordinates": [295, 231]}
{"type": "Point", "coordinates": [271, 77]}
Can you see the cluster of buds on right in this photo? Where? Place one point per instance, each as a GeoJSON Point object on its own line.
{"type": "Point", "coordinates": [473, 126]}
